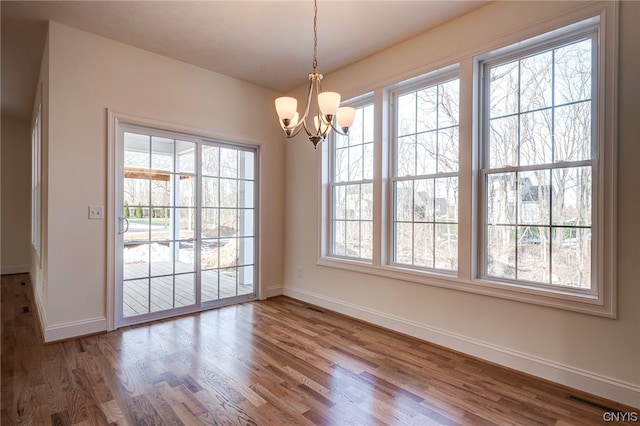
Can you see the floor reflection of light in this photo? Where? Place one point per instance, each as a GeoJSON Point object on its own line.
{"type": "Point", "coordinates": [371, 396]}
{"type": "Point", "coordinates": [216, 343]}
{"type": "Point", "coordinates": [228, 350]}
{"type": "Point", "coordinates": [346, 388]}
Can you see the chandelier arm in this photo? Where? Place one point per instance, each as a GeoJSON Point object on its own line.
{"type": "Point", "coordinates": [338, 129]}
{"type": "Point", "coordinates": [322, 129]}
{"type": "Point", "coordinates": [303, 119]}
{"type": "Point", "coordinates": [303, 125]}
{"type": "Point", "coordinates": [292, 130]}
{"type": "Point", "coordinates": [318, 112]}
{"type": "Point", "coordinates": [296, 130]}
{"type": "Point", "coordinates": [320, 116]}
{"type": "Point", "coordinates": [306, 129]}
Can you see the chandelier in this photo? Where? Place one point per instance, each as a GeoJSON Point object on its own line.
{"type": "Point", "coordinates": [328, 110]}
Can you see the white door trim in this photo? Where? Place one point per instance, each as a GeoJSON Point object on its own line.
{"type": "Point", "coordinates": [114, 120]}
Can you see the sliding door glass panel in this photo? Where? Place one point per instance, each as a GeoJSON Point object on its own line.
{"type": "Point", "coordinates": [228, 205]}
{"type": "Point", "coordinates": [159, 204]}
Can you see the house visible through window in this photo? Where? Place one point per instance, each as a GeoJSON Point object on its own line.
{"type": "Point", "coordinates": [539, 162]}
{"type": "Point", "coordinates": [425, 181]}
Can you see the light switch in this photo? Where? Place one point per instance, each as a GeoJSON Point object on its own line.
{"type": "Point", "coordinates": [96, 212]}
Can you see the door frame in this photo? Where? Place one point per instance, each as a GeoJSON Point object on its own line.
{"type": "Point", "coordinates": [115, 120]}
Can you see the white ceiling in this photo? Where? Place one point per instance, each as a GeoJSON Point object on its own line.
{"type": "Point", "coordinates": [269, 43]}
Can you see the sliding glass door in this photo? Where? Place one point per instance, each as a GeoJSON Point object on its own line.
{"type": "Point", "coordinates": [186, 237]}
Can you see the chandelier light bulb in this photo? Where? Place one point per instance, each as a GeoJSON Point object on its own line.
{"type": "Point", "coordinates": [294, 120]}
{"type": "Point", "coordinates": [323, 128]}
{"type": "Point", "coordinates": [329, 103]}
{"type": "Point", "coordinates": [345, 117]}
{"type": "Point", "coordinates": [286, 107]}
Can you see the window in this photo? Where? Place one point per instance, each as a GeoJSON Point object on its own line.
{"type": "Point", "coordinates": [425, 176]}
{"type": "Point", "coordinates": [495, 174]}
{"type": "Point", "coordinates": [539, 158]}
{"type": "Point", "coordinates": [352, 188]}
{"type": "Point", "coordinates": [36, 180]}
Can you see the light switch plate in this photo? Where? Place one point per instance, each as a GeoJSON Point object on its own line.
{"type": "Point", "coordinates": [96, 212]}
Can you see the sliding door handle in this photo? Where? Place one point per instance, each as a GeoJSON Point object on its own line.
{"type": "Point", "coordinates": [123, 221]}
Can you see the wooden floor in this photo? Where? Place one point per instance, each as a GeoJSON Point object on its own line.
{"type": "Point", "coordinates": [278, 362]}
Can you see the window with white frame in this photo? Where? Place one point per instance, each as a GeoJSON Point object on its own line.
{"type": "Point", "coordinates": [351, 188]}
{"type": "Point", "coordinates": [539, 162]}
{"type": "Point", "coordinates": [425, 175]}
{"type": "Point", "coordinates": [36, 179]}
{"type": "Point", "coordinates": [494, 175]}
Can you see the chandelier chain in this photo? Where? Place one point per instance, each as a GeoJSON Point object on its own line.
{"type": "Point", "coordinates": [315, 34]}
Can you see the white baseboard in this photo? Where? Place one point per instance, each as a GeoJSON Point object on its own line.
{"type": "Point", "coordinates": [14, 269]}
{"type": "Point", "coordinates": [74, 329]}
{"type": "Point", "coordinates": [612, 389]}
{"type": "Point", "coordinates": [273, 291]}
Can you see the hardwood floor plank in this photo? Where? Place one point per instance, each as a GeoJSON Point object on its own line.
{"type": "Point", "coordinates": [283, 400]}
{"type": "Point", "coordinates": [275, 362]}
{"type": "Point", "coordinates": [60, 419]}
{"type": "Point", "coordinates": [186, 416]}
{"type": "Point", "coordinates": [76, 402]}
{"type": "Point", "coordinates": [95, 414]}
{"type": "Point", "coordinates": [216, 413]}
{"type": "Point", "coordinates": [114, 413]}
{"type": "Point", "coordinates": [143, 412]}
{"type": "Point", "coordinates": [161, 406]}
{"type": "Point", "coordinates": [305, 380]}
{"type": "Point", "coordinates": [190, 401]}
{"type": "Point", "coordinates": [245, 390]}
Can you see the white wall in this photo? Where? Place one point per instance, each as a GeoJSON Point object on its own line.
{"type": "Point", "coordinates": [89, 75]}
{"type": "Point", "coordinates": [596, 354]}
{"type": "Point", "coordinates": [16, 195]}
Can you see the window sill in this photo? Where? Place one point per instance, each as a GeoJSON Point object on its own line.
{"type": "Point", "coordinates": [561, 298]}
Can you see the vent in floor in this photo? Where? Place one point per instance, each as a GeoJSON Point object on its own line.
{"type": "Point", "coordinates": [591, 403]}
{"type": "Point", "coordinates": [315, 309]}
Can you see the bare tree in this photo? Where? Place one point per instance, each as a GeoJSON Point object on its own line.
{"type": "Point", "coordinates": [540, 116]}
